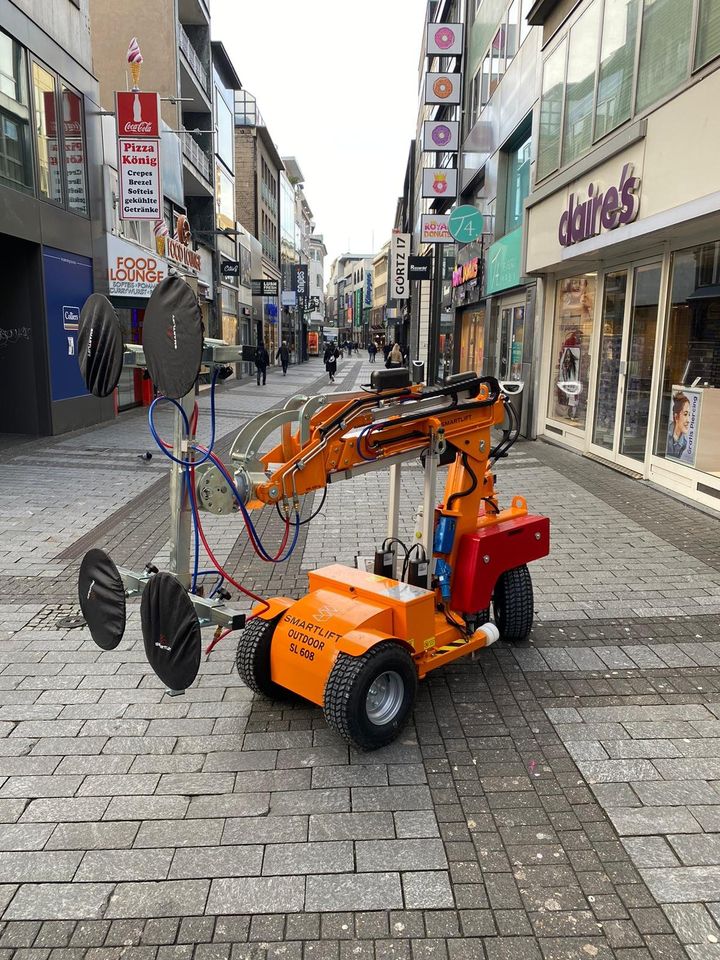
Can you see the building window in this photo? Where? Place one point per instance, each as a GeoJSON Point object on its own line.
{"type": "Point", "coordinates": [688, 416]}
{"type": "Point", "coordinates": [617, 58]}
{"type": "Point", "coordinates": [224, 121]}
{"type": "Point", "coordinates": [224, 198]}
{"type": "Point", "coordinates": [569, 374]}
{"type": "Point", "coordinates": [664, 49]}
{"type": "Point", "coordinates": [708, 36]}
{"type": "Point", "coordinates": [518, 184]}
{"type": "Point", "coordinates": [580, 84]}
{"type": "Point", "coordinates": [551, 104]}
{"type": "Point", "coordinates": [46, 134]}
{"type": "Point", "coordinates": [74, 152]}
{"type": "Point", "coordinates": [15, 155]}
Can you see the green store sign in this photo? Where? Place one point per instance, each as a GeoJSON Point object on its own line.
{"type": "Point", "coordinates": [504, 261]}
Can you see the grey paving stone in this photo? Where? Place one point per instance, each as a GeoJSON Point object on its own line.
{"type": "Point", "coordinates": [647, 749]}
{"type": "Point", "coordinates": [692, 922]}
{"type": "Point", "coordinates": [415, 823]}
{"type": "Point", "coordinates": [649, 821]}
{"type": "Point", "coordinates": [115, 865]}
{"type": "Point", "coordinates": [351, 826]}
{"type": "Point", "coordinates": [310, 801]}
{"type": "Point", "coordinates": [391, 798]}
{"type": "Point", "coordinates": [700, 768]}
{"type": "Point", "coordinates": [683, 884]}
{"type": "Point", "coordinates": [376, 891]}
{"type": "Point", "coordinates": [355, 775]}
{"type": "Point", "coordinates": [36, 865]}
{"type": "Point", "coordinates": [697, 849]}
{"type": "Point", "coordinates": [401, 855]}
{"type": "Point", "coordinates": [146, 808]}
{"type": "Point", "coordinates": [676, 793]}
{"type": "Point", "coordinates": [92, 836]}
{"type": "Point", "coordinates": [651, 852]}
{"type": "Point", "coordinates": [267, 830]}
{"type": "Point", "coordinates": [225, 861]}
{"type": "Point", "coordinates": [618, 771]}
{"type": "Point", "coordinates": [427, 890]}
{"type": "Point", "coordinates": [24, 836]}
{"type": "Point", "coordinates": [257, 895]}
{"type": "Point", "coordinates": [68, 809]}
{"type": "Point", "coordinates": [257, 781]}
{"type": "Point", "coordinates": [180, 898]}
{"type": "Point", "coordinates": [616, 795]}
{"type": "Point", "coordinates": [59, 901]}
{"type": "Point", "coordinates": [228, 805]}
{"type": "Point", "coordinates": [183, 833]}
{"type": "Point", "coordinates": [293, 859]}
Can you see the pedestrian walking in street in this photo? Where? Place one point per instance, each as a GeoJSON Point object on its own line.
{"type": "Point", "coordinates": [283, 355]}
{"type": "Point", "coordinates": [387, 347]}
{"type": "Point", "coordinates": [372, 350]}
{"type": "Point", "coordinates": [395, 357]}
{"type": "Point", "coordinates": [330, 360]}
{"type": "Point", "coordinates": [262, 359]}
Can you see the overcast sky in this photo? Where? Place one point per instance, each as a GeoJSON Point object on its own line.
{"type": "Point", "coordinates": [336, 83]}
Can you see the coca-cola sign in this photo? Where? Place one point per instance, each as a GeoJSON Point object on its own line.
{"type": "Point", "coordinates": [137, 114]}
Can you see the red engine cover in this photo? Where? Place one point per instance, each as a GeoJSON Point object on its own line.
{"type": "Point", "coordinates": [489, 552]}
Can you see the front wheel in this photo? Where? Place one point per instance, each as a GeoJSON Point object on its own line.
{"type": "Point", "coordinates": [369, 699]}
{"type": "Point", "coordinates": [253, 658]}
{"type": "Point", "coordinates": [513, 604]}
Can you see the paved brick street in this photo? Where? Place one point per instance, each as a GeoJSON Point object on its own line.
{"type": "Point", "coordinates": [556, 800]}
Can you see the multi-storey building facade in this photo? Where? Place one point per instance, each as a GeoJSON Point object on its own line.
{"type": "Point", "coordinates": [51, 237]}
{"type": "Point", "coordinates": [379, 295]}
{"type": "Point", "coordinates": [257, 192]}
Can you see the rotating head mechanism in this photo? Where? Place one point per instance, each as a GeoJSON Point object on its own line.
{"type": "Point", "coordinates": [173, 338]}
{"type": "Point", "coordinates": [100, 345]}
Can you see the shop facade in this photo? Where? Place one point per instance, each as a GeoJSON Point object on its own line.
{"type": "Point", "coordinates": [628, 250]}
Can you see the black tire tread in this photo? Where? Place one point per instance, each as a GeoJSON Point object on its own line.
{"type": "Point", "coordinates": [339, 686]}
{"type": "Point", "coordinates": [517, 606]}
{"type": "Point", "coordinates": [251, 655]}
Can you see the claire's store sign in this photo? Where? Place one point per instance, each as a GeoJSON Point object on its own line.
{"type": "Point", "coordinates": [588, 215]}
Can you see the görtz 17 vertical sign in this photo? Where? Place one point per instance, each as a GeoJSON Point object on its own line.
{"type": "Point", "coordinates": [399, 276]}
{"type": "Point", "coordinates": [138, 126]}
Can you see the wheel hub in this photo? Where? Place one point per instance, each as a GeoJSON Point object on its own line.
{"type": "Point", "coordinates": [384, 698]}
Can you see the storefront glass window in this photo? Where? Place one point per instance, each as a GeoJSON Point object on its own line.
{"type": "Point", "coordinates": [617, 62]}
{"type": "Point", "coordinates": [15, 157]}
{"type": "Point", "coordinates": [75, 157]}
{"type": "Point", "coordinates": [580, 86]}
{"type": "Point", "coordinates": [610, 354]}
{"type": "Point", "coordinates": [569, 375]}
{"type": "Point", "coordinates": [664, 49]}
{"type": "Point", "coordinates": [46, 134]}
{"type": "Point", "coordinates": [518, 185]}
{"type": "Point", "coordinates": [708, 36]}
{"type": "Point", "coordinates": [551, 105]}
{"type": "Point", "coordinates": [689, 402]}
{"type": "Point", "coordinates": [640, 353]}
{"type": "Point", "coordinates": [472, 341]}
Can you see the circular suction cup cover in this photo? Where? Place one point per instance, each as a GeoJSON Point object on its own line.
{"type": "Point", "coordinates": [173, 337]}
{"type": "Point", "coordinates": [100, 345]}
{"type": "Point", "coordinates": [171, 631]}
{"type": "Point", "coordinates": [102, 598]}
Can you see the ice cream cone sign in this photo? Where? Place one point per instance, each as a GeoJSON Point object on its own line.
{"type": "Point", "coordinates": [135, 59]}
{"type": "Point", "coordinates": [161, 232]}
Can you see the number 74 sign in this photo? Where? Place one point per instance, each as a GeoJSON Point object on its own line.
{"type": "Point", "coordinates": [465, 223]}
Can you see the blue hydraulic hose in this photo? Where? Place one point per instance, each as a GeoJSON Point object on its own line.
{"type": "Point", "coordinates": [178, 406]}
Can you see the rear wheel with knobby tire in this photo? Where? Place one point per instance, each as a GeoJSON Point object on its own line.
{"type": "Point", "coordinates": [369, 699]}
{"type": "Point", "coordinates": [252, 658]}
{"type": "Point", "coordinates": [513, 604]}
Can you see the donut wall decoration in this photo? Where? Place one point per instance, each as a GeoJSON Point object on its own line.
{"type": "Point", "coordinates": [439, 183]}
{"type": "Point", "coordinates": [442, 87]}
{"type": "Point", "coordinates": [444, 39]}
{"type": "Point", "coordinates": [443, 135]}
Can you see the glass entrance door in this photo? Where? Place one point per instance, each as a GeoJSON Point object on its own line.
{"type": "Point", "coordinates": [625, 363]}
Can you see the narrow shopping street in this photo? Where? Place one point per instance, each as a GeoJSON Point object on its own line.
{"type": "Point", "coordinates": [554, 800]}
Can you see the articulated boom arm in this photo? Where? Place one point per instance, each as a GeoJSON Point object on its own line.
{"type": "Point", "coordinates": [342, 435]}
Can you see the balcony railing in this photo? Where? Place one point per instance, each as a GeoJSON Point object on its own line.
{"type": "Point", "coordinates": [195, 154]}
{"type": "Point", "coordinates": [195, 65]}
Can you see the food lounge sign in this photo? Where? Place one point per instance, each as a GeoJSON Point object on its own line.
{"type": "Point", "coordinates": [586, 217]}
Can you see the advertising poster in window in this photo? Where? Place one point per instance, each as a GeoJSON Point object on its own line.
{"type": "Point", "coordinates": [683, 422]}
{"type": "Point", "coordinates": [74, 152]}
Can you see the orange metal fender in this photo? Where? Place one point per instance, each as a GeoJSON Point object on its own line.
{"type": "Point", "coordinates": [275, 607]}
{"type": "Point", "coordinates": [357, 642]}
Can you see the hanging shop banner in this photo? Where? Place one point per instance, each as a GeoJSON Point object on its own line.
{"type": "Point", "coordinates": [288, 298]}
{"type": "Point", "coordinates": [444, 39]}
{"type": "Point", "coordinates": [368, 288]}
{"type": "Point", "coordinates": [139, 179]}
{"type": "Point", "coordinates": [439, 183]}
{"type": "Point", "coordinates": [441, 135]}
{"type": "Point", "coordinates": [442, 87]}
{"type": "Point", "coordinates": [137, 114]}
{"type": "Point", "coordinates": [420, 268]}
{"type": "Point", "coordinates": [133, 271]}
{"type": "Point", "coordinates": [465, 223]}
{"type": "Point", "coordinates": [264, 288]}
{"type": "Point", "coordinates": [434, 229]}
{"type": "Point", "coordinates": [299, 281]}
{"type": "Point", "coordinates": [399, 277]}
{"type": "Point", "coordinates": [229, 269]}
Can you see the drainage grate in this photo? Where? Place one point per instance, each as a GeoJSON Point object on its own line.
{"type": "Point", "coordinates": [614, 466]}
{"type": "Point", "coordinates": [56, 616]}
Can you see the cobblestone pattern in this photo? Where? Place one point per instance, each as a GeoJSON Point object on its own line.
{"type": "Point", "coordinates": [223, 825]}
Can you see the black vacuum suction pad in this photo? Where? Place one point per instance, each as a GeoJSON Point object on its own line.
{"type": "Point", "coordinates": [100, 345]}
{"type": "Point", "coordinates": [173, 337]}
{"type": "Point", "coordinates": [171, 631]}
{"type": "Point", "coordinates": [102, 598]}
